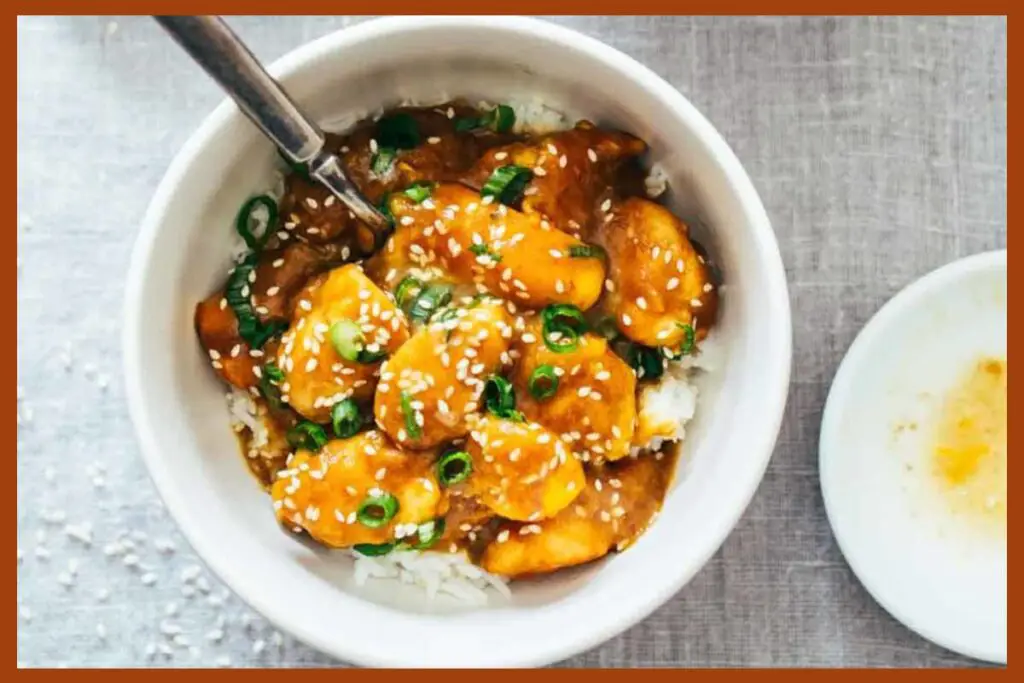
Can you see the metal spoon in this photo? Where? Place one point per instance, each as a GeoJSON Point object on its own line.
{"type": "Point", "coordinates": [217, 49]}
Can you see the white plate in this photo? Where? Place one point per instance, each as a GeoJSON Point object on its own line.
{"type": "Point", "coordinates": [941, 576]}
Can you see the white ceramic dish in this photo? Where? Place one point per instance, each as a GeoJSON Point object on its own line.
{"type": "Point", "coordinates": [177, 404]}
{"type": "Point", "coordinates": [942, 577]}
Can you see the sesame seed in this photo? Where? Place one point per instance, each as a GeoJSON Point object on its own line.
{"type": "Point", "coordinates": [605, 205]}
{"type": "Point", "coordinates": [626, 320]}
{"type": "Point", "coordinates": [563, 161]}
{"type": "Point", "coordinates": [539, 171]}
{"type": "Point", "coordinates": [278, 263]}
{"type": "Point", "coordinates": [641, 303]}
{"type": "Point", "coordinates": [312, 203]}
{"type": "Point", "coordinates": [708, 287]}
{"type": "Point", "coordinates": [373, 145]}
{"type": "Point", "coordinates": [503, 536]}
{"type": "Point", "coordinates": [609, 285]}
{"type": "Point", "coordinates": [672, 284]}
{"type": "Point", "coordinates": [433, 140]}
{"type": "Point", "coordinates": [500, 156]}
{"type": "Point", "coordinates": [592, 155]}
{"type": "Point", "coordinates": [696, 303]}
{"type": "Point", "coordinates": [555, 253]}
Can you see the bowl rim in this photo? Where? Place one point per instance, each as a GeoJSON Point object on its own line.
{"type": "Point", "coordinates": [776, 296]}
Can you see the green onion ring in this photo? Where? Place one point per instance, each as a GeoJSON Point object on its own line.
{"type": "Point", "coordinates": [566, 320]}
{"type": "Point", "coordinates": [453, 467]}
{"type": "Point", "coordinates": [507, 183]}
{"type": "Point", "coordinates": [345, 419]}
{"type": "Point", "coordinates": [376, 511]}
{"type": "Point", "coordinates": [499, 396]}
{"type": "Point", "coordinates": [543, 382]}
{"type": "Point", "coordinates": [307, 435]}
{"type": "Point", "coordinates": [245, 219]}
{"type": "Point", "coordinates": [373, 549]}
{"type": "Point", "coordinates": [347, 339]}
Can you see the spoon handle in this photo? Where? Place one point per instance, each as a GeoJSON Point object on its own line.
{"type": "Point", "coordinates": [216, 48]}
{"type": "Point", "coordinates": [224, 57]}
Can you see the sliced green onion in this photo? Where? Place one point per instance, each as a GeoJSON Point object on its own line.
{"type": "Point", "coordinates": [563, 324]}
{"type": "Point", "coordinates": [429, 301]}
{"type": "Point", "coordinates": [381, 162]}
{"type": "Point", "coordinates": [646, 361]}
{"type": "Point", "coordinates": [688, 339]}
{"type": "Point", "coordinates": [345, 419]}
{"type": "Point", "coordinates": [399, 131]}
{"type": "Point", "coordinates": [273, 373]}
{"type": "Point", "coordinates": [250, 329]}
{"type": "Point", "coordinates": [407, 290]}
{"type": "Point", "coordinates": [411, 426]}
{"type": "Point", "coordinates": [507, 184]}
{"type": "Point", "coordinates": [373, 549]}
{"type": "Point", "coordinates": [453, 467]}
{"type": "Point", "coordinates": [270, 379]}
{"type": "Point", "coordinates": [429, 533]}
{"type": "Point", "coordinates": [501, 119]}
{"type": "Point", "coordinates": [543, 382]}
{"type": "Point", "coordinates": [347, 339]}
{"type": "Point", "coordinates": [256, 231]}
{"type": "Point", "coordinates": [307, 435]}
{"type": "Point", "coordinates": [499, 396]}
{"type": "Point", "coordinates": [385, 208]}
{"type": "Point", "coordinates": [484, 250]}
{"type": "Point", "coordinates": [465, 124]}
{"type": "Point", "coordinates": [266, 332]}
{"type": "Point", "coordinates": [586, 251]}
{"type": "Point", "coordinates": [418, 191]}
{"type": "Point", "coordinates": [376, 511]}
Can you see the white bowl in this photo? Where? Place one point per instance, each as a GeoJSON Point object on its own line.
{"type": "Point", "coordinates": [177, 404]}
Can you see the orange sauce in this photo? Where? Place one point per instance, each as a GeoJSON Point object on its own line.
{"type": "Point", "coordinates": [969, 452]}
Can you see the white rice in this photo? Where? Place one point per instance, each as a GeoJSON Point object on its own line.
{"type": "Point", "coordinates": [674, 398]}
{"type": "Point", "coordinates": [246, 414]}
{"type": "Point", "coordinates": [436, 572]}
{"type": "Point", "coordinates": [656, 181]}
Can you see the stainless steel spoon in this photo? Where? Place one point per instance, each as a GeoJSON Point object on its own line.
{"type": "Point", "coordinates": [220, 52]}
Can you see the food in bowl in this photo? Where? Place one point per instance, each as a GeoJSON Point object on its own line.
{"type": "Point", "coordinates": [503, 378]}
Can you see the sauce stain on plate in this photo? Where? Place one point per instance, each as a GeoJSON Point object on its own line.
{"type": "Point", "coordinates": [968, 454]}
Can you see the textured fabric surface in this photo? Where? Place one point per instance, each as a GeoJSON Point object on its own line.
{"type": "Point", "coordinates": [877, 144]}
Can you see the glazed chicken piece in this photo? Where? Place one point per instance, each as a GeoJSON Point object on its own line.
{"type": "Point", "coordinates": [217, 327]}
{"type": "Point", "coordinates": [573, 172]}
{"type": "Point", "coordinates": [311, 213]}
{"type": "Point", "coordinates": [468, 520]}
{"type": "Point", "coordinates": [512, 255]}
{"type": "Point", "coordinates": [593, 406]}
{"type": "Point", "coordinates": [342, 305]}
{"type": "Point", "coordinates": [282, 273]}
{"type": "Point", "coordinates": [658, 284]}
{"type": "Point", "coordinates": [357, 490]}
{"type": "Point", "coordinates": [435, 379]}
{"type": "Point", "coordinates": [429, 149]}
{"type": "Point", "coordinates": [616, 506]}
{"type": "Point", "coordinates": [521, 470]}
{"type": "Point", "coordinates": [278, 275]}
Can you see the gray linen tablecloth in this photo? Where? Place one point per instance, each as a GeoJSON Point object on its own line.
{"type": "Point", "coordinates": [877, 144]}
